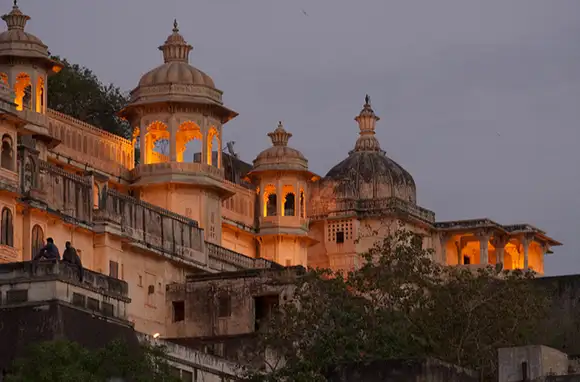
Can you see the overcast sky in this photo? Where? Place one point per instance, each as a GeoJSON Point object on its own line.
{"type": "Point", "coordinates": [479, 100]}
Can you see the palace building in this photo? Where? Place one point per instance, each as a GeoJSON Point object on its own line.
{"type": "Point", "coordinates": [171, 213]}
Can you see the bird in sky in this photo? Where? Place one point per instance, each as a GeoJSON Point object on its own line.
{"type": "Point", "coordinates": [305, 14]}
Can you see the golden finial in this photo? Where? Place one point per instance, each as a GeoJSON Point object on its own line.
{"type": "Point", "coordinates": [175, 25]}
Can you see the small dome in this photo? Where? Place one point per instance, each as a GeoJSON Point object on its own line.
{"type": "Point", "coordinates": [15, 41]}
{"type": "Point", "coordinates": [176, 69]}
{"type": "Point", "coordinates": [367, 172]}
{"type": "Point", "coordinates": [280, 156]}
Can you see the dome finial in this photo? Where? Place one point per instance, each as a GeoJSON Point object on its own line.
{"type": "Point", "coordinates": [175, 47]}
{"type": "Point", "coordinates": [15, 19]}
{"type": "Point", "coordinates": [280, 136]}
{"type": "Point", "coordinates": [366, 123]}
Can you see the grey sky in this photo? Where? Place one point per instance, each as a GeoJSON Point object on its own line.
{"type": "Point", "coordinates": [445, 76]}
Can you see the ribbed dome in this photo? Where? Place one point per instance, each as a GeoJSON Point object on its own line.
{"type": "Point", "coordinates": [176, 73]}
{"type": "Point", "coordinates": [367, 172]}
{"type": "Point", "coordinates": [280, 156]}
{"type": "Point", "coordinates": [176, 69]}
{"type": "Point", "coordinates": [15, 41]}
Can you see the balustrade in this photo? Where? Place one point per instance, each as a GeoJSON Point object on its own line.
{"type": "Point", "coordinates": [236, 259]}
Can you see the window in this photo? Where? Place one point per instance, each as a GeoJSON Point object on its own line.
{"type": "Point", "coordinates": [289, 204]}
{"type": "Point", "coordinates": [224, 306]}
{"type": "Point", "coordinates": [7, 236]}
{"type": "Point", "coordinates": [178, 311]}
{"type": "Point", "coordinates": [113, 269]}
{"type": "Point", "coordinates": [140, 282]}
{"type": "Point", "coordinates": [37, 239]}
{"type": "Point", "coordinates": [466, 260]}
{"type": "Point", "coordinates": [264, 307]}
{"type": "Point", "coordinates": [340, 237]}
{"type": "Point", "coordinates": [7, 155]}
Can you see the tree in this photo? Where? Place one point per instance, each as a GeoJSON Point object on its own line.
{"type": "Point", "coordinates": [76, 91]}
{"type": "Point", "coordinates": [399, 304]}
{"type": "Point", "coordinates": [66, 361]}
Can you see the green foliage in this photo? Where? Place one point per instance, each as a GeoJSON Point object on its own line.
{"type": "Point", "coordinates": [66, 361]}
{"type": "Point", "coordinates": [399, 304]}
{"type": "Point", "coordinates": [76, 91]}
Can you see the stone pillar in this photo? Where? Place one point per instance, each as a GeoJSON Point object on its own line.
{"type": "Point", "coordinates": [444, 239]}
{"type": "Point", "coordinates": [33, 91]}
{"type": "Point", "coordinates": [261, 204]}
{"type": "Point", "coordinates": [142, 144]}
{"type": "Point", "coordinates": [483, 247]}
{"type": "Point", "coordinates": [526, 241]}
{"type": "Point", "coordinates": [219, 149]}
{"type": "Point", "coordinates": [204, 141]}
{"type": "Point", "coordinates": [459, 244]}
{"type": "Point", "coordinates": [172, 139]}
{"type": "Point", "coordinates": [279, 196]}
{"type": "Point", "coordinates": [499, 242]}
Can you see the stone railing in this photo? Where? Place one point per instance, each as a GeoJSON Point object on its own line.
{"type": "Point", "coordinates": [186, 168]}
{"type": "Point", "coordinates": [13, 273]}
{"type": "Point", "coordinates": [239, 261]}
{"type": "Point", "coordinates": [151, 225]}
{"type": "Point", "coordinates": [471, 223]}
{"type": "Point", "coordinates": [319, 211]}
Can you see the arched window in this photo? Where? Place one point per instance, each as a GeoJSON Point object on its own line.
{"type": "Point", "coordinates": [7, 155]}
{"type": "Point", "coordinates": [302, 204]}
{"type": "Point", "coordinates": [7, 234]}
{"type": "Point", "coordinates": [271, 205]}
{"type": "Point", "coordinates": [37, 239]}
{"type": "Point", "coordinates": [289, 204]}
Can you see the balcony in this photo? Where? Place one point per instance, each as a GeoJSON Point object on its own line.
{"type": "Point", "coordinates": [221, 258]}
{"type": "Point", "coordinates": [289, 224]}
{"type": "Point", "coordinates": [8, 254]}
{"type": "Point", "coordinates": [199, 174]}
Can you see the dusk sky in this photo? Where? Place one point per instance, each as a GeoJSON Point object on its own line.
{"type": "Point", "coordinates": [479, 100]}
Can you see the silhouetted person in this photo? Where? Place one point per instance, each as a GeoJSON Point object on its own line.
{"type": "Point", "coordinates": [71, 256]}
{"type": "Point", "coordinates": [49, 251]}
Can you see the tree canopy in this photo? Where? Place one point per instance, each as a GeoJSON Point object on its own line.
{"type": "Point", "coordinates": [66, 361]}
{"type": "Point", "coordinates": [76, 91]}
{"type": "Point", "coordinates": [399, 304]}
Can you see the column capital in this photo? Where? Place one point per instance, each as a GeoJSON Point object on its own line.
{"type": "Point", "coordinates": [445, 237]}
{"type": "Point", "coordinates": [527, 239]}
{"type": "Point", "coordinates": [483, 234]}
{"type": "Point", "coordinates": [499, 241]}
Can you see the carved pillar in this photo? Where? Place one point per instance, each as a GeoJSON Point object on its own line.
{"type": "Point", "coordinates": [499, 242]}
{"type": "Point", "coordinates": [483, 237]}
{"type": "Point", "coordinates": [261, 203]}
{"type": "Point", "coordinates": [172, 139]}
{"type": "Point", "coordinates": [219, 149]}
{"type": "Point", "coordinates": [444, 239]}
{"type": "Point", "coordinates": [459, 245]}
{"type": "Point", "coordinates": [33, 90]}
{"type": "Point", "coordinates": [142, 144]}
{"type": "Point", "coordinates": [279, 196]}
{"type": "Point", "coordinates": [526, 241]}
{"type": "Point", "coordinates": [204, 141]}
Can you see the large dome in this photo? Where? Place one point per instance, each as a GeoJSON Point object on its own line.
{"type": "Point", "coordinates": [176, 73]}
{"type": "Point", "coordinates": [367, 172]}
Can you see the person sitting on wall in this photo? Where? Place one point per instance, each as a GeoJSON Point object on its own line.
{"type": "Point", "coordinates": [71, 256]}
{"type": "Point", "coordinates": [48, 252]}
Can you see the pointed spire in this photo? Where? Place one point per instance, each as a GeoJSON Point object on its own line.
{"type": "Point", "coordinates": [175, 47]}
{"type": "Point", "coordinates": [15, 19]}
{"type": "Point", "coordinates": [280, 136]}
{"type": "Point", "coordinates": [366, 122]}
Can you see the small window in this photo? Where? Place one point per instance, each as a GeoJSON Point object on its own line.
{"type": "Point", "coordinates": [224, 306]}
{"type": "Point", "coordinates": [151, 289]}
{"type": "Point", "coordinates": [140, 282]}
{"type": "Point", "coordinates": [114, 269]}
{"type": "Point", "coordinates": [466, 260]}
{"type": "Point", "coordinates": [178, 311]}
{"type": "Point", "coordinates": [340, 237]}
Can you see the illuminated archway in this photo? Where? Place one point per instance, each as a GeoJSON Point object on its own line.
{"type": "Point", "coordinates": [213, 143]}
{"type": "Point", "coordinates": [157, 143]}
{"type": "Point", "coordinates": [270, 200]}
{"type": "Point", "coordinates": [189, 137]}
{"type": "Point", "coordinates": [7, 153]}
{"type": "Point", "coordinates": [23, 90]}
{"type": "Point", "coordinates": [289, 201]}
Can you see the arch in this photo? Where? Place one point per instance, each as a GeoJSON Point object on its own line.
{"type": "Point", "coordinates": [157, 143]}
{"type": "Point", "coordinates": [7, 153]}
{"type": "Point", "coordinates": [187, 132]}
{"type": "Point", "coordinates": [288, 201]}
{"type": "Point", "coordinates": [270, 200]}
{"type": "Point", "coordinates": [37, 239]}
{"type": "Point", "coordinates": [40, 95]}
{"type": "Point", "coordinates": [23, 90]}
{"type": "Point", "coordinates": [213, 142]}
{"type": "Point", "coordinates": [302, 203]}
{"type": "Point", "coordinates": [7, 226]}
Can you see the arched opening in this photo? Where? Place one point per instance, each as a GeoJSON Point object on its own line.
{"type": "Point", "coordinates": [40, 95]}
{"type": "Point", "coordinates": [37, 239]}
{"type": "Point", "coordinates": [189, 142]}
{"type": "Point", "coordinates": [7, 234]}
{"type": "Point", "coordinates": [302, 204]}
{"type": "Point", "coordinates": [23, 90]}
{"type": "Point", "coordinates": [213, 146]}
{"type": "Point", "coordinates": [96, 196]}
{"type": "Point", "coordinates": [508, 262]}
{"type": "Point", "coordinates": [270, 200]}
{"type": "Point", "coordinates": [157, 143]}
{"type": "Point", "coordinates": [289, 204]}
{"type": "Point", "coordinates": [7, 155]}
